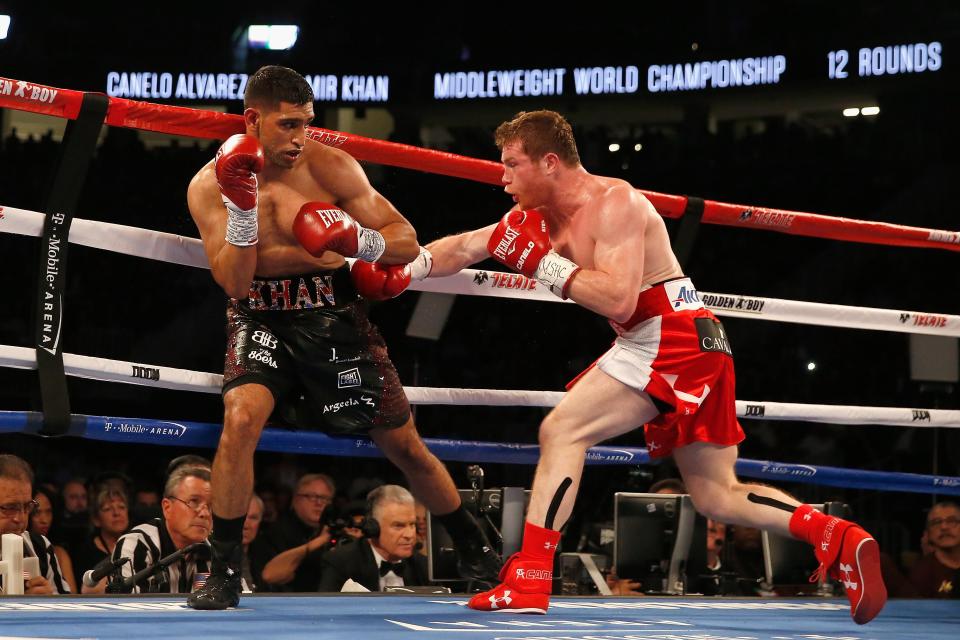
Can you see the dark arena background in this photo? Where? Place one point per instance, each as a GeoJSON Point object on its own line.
{"type": "Point", "coordinates": [803, 153]}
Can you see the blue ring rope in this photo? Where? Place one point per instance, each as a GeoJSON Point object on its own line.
{"type": "Point", "coordinates": [207, 435]}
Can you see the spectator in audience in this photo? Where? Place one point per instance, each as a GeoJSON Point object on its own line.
{"type": "Point", "coordinates": [110, 517]}
{"type": "Point", "coordinates": [422, 515]}
{"type": "Point", "coordinates": [74, 524]}
{"type": "Point", "coordinates": [186, 520]}
{"type": "Point", "coordinates": [716, 538]}
{"type": "Point", "coordinates": [270, 512]}
{"type": "Point", "coordinates": [251, 527]}
{"type": "Point", "coordinates": [669, 486]}
{"type": "Point", "coordinates": [41, 521]}
{"type": "Point", "coordinates": [146, 505]}
{"type": "Point", "coordinates": [288, 555]}
{"type": "Point", "coordinates": [16, 505]}
{"type": "Point", "coordinates": [937, 575]}
{"type": "Point", "coordinates": [386, 556]}
{"type": "Point", "coordinates": [75, 498]}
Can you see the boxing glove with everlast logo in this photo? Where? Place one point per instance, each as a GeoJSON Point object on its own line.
{"type": "Point", "coordinates": [522, 242]}
{"type": "Point", "coordinates": [321, 227]}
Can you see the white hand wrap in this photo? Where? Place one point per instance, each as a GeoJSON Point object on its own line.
{"type": "Point", "coordinates": [241, 225]}
{"type": "Point", "coordinates": [555, 272]}
{"type": "Point", "coordinates": [422, 265]}
{"type": "Point", "coordinates": [370, 244]}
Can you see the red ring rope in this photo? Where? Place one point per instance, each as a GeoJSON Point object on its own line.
{"type": "Point", "coordinates": [65, 103]}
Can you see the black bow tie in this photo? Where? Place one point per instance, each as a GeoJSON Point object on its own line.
{"type": "Point", "coordinates": [387, 567]}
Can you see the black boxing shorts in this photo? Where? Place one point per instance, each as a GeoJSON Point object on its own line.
{"type": "Point", "coordinates": [307, 339]}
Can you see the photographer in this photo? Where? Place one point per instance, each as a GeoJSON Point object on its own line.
{"type": "Point", "coordinates": [289, 552]}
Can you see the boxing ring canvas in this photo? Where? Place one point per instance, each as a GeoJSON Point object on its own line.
{"type": "Point", "coordinates": [395, 617]}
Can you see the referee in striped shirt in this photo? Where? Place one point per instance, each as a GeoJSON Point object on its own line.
{"type": "Point", "coordinates": [186, 520]}
{"type": "Point", "coordinates": [16, 505]}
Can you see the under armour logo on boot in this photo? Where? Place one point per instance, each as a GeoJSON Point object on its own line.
{"type": "Point", "coordinates": [504, 600]}
{"type": "Point", "coordinates": [847, 571]}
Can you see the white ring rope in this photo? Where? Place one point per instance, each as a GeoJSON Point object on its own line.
{"type": "Point", "coordinates": [168, 247]}
{"type": "Point", "coordinates": [182, 379]}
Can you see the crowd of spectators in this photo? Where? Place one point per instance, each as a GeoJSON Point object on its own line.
{"type": "Point", "coordinates": [318, 540]}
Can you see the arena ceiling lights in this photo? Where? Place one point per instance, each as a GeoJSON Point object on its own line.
{"type": "Point", "coordinates": [276, 37]}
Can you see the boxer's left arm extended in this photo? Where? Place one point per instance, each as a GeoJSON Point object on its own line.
{"type": "Point", "coordinates": [452, 254]}
{"type": "Point", "coordinates": [610, 287]}
{"type": "Point", "coordinates": [442, 257]}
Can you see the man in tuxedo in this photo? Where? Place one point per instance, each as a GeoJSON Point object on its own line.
{"type": "Point", "coordinates": [385, 556]}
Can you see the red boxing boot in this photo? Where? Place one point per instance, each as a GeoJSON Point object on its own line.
{"type": "Point", "coordinates": [526, 577]}
{"type": "Point", "coordinates": [847, 554]}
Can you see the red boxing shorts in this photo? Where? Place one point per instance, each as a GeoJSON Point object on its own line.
{"type": "Point", "coordinates": [677, 352]}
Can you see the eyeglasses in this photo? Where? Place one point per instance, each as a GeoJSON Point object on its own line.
{"type": "Point", "coordinates": [316, 497]}
{"type": "Point", "coordinates": [950, 521]}
{"type": "Point", "coordinates": [193, 503]}
{"type": "Point", "coordinates": [16, 508]}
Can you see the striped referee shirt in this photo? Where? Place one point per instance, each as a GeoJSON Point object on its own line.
{"type": "Point", "coordinates": [37, 546]}
{"type": "Point", "coordinates": [147, 543]}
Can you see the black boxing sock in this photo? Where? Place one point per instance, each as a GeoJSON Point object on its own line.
{"type": "Point", "coordinates": [225, 540]}
{"type": "Point", "coordinates": [460, 524]}
{"type": "Point", "coordinates": [227, 531]}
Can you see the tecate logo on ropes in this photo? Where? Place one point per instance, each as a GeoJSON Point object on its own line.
{"type": "Point", "coordinates": [767, 218]}
{"type": "Point", "coordinates": [924, 320]}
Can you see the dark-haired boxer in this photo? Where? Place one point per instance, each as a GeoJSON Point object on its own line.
{"type": "Point", "coordinates": [277, 214]}
{"type": "Point", "coordinates": [598, 241]}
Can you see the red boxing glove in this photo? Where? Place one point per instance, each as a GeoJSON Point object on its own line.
{"type": "Point", "coordinates": [320, 227]}
{"type": "Point", "coordinates": [375, 281]}
{"type": "Point", "coordinates": [238, 161]}
{"type": "Point", "coordinates": [522, 242]}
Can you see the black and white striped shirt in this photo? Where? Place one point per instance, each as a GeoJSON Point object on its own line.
{"type": "Point", "coordinates": [37, 546]}
{"type": "Point", "coordinates": [147, 543]}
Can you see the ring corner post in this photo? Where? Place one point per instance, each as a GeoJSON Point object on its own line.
{"type": "Point", "coordinates": [79, 143]}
